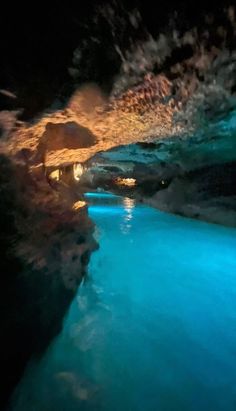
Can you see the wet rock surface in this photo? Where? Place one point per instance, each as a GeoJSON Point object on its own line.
{"type": "Point", "coordinates": [207, 194]}
{"type": "Point", "coordinates": [45, 250]}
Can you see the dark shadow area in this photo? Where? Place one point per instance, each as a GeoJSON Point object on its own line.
{"type": "Point", "coordinates": [39, 45]}
{"type": "Point", "coordinates": [33, 300]}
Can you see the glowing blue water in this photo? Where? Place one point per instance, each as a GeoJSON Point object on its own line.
{"type": "Point", "coordinates": [155, 327]}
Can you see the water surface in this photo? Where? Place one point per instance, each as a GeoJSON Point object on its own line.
{"type": "Point", "coordinates": [154, 326]}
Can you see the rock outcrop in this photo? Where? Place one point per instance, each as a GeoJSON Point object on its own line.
{"type": "Point", "coordinates": [46, 244]}
{"type": "Point", "coordinates": [206, 194]}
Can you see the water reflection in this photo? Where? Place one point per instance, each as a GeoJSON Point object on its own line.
{"type": "Point", "coordinates": [128, 204]}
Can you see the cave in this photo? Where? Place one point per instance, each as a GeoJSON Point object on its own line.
{"type": "Point", "coordinates": [118, 207]}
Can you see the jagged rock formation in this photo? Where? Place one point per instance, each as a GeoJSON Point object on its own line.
{"type": "Point", "coordinates": [46, 244]}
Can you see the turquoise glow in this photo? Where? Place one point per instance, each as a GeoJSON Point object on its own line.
{"type": "Point", "coordinates": [99, 195]}
{"type": "Point", "coordinates": [153, 329]}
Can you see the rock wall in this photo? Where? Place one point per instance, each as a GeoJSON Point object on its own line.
{"type": "Point", "coordinates": [207, 194]}
{"type": "Point", "coordinates": [45, 250]}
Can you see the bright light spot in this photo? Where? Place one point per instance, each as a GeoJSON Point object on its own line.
{"type": "Point", "coordinates": [129, 204]}
{"type": "Point", "coordinates": [130, 182]}
{"type": "Point", "coordinates": [55, 174]}
{"type": "Point", "coordinates": [79, 204]}
{"type": "Point", "coordinates": [78, 171]}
